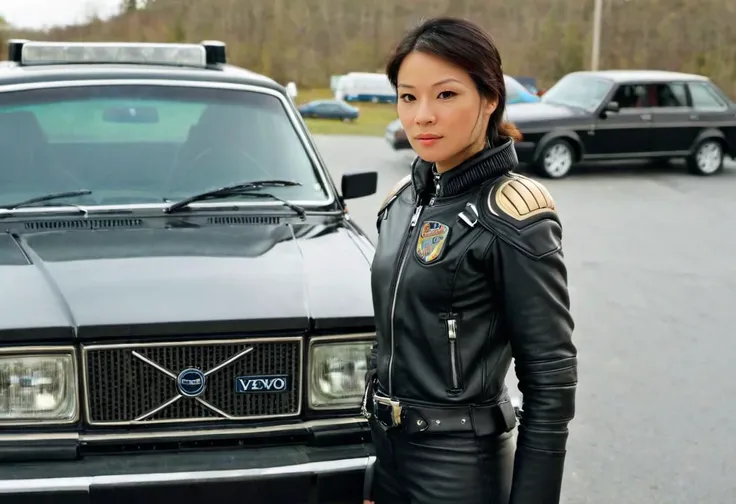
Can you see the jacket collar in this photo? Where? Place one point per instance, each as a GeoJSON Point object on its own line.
{"type": "Point", "coordinates": [488, 164]}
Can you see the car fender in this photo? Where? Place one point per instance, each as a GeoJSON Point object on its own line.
{"type": "Point", "coordinates": [571, 136]}
{"type": "Point", "coordinates": [711, 133]}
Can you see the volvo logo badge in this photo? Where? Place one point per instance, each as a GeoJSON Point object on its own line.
{"type": "Point", "coordinates": [191, 382]}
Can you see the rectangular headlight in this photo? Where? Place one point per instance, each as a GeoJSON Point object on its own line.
{"type": "Point", "coordinates": [337, 368]}
{"type": "Point", "coordinates": [38, 387]}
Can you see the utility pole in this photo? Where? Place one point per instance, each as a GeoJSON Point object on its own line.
{"type": "Point", "coordinates": [597, 19]}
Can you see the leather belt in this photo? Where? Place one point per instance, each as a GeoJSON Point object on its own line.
{"type": "Point", "coordinates": [482, 419]}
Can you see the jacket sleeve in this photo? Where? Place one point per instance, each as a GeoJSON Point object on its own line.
{"type": "Point", "coordinates": [530, 279]}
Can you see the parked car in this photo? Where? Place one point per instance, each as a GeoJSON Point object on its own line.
{"type": "Point", "coordinates": [186, 307]}
{"type": "Point", "coordinates": [515, 93]}
{"type": "Point", "coordinates": [627, 114]}
{"type": "Point", "coordinates": [365, 87]}
{"type": "Point", "coordinates": [530, 83]}
{"type": "Point", "coordinates": [329, 109]}
{"type": "Point", "coordinates": [396, 135]}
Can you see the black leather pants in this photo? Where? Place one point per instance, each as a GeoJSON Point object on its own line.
{"type": "Point", "coordinates": [441, 468]}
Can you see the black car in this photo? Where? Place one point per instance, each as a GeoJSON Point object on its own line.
{"type": "Point", "coordinates": [632, 114]}
{"type": "Point", "coordinates": [185, 312]}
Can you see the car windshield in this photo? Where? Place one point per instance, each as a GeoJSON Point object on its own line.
{"type": "Point", "coordinates": [579, 91]}
{"type": "Point", "coordinates": [143, 144]}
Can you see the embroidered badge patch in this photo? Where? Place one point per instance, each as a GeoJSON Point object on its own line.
{"type": "Point", "coordinates": [432, 240]}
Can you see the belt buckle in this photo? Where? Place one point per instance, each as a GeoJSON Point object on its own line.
{"type": "Point", "coordinates": [395, 408]}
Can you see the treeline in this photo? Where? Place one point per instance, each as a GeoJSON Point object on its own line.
{"type": "Point", "coordinates": [306, 41]}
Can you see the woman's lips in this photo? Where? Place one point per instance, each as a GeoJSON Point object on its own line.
{"type": "Point", "coordinates": [428, 140]}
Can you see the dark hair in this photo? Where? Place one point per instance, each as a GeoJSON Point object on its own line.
{"type": "Point", "coordinates": [468, 46]}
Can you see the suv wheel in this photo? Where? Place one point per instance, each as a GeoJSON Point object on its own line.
{"type": "Point", "coordinates": [556, 159]}
{"type": "Point", "coordinates": [707, 159]}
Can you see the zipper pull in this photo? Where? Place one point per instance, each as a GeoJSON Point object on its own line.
{"type": "Point", "coordinates": [436, 188]}
{"type": "Point", "coordinates": [452, 329]}
{"type": "Point", "coordinates": [415, 217]}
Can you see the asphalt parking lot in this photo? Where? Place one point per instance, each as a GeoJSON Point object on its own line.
{"type": "Point", "coordinates": [653, 285]}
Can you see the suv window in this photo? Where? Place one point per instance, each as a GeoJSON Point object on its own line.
{"type": "Point", "coordinates": [704, 97]}
{"type": "Point", "coordinates": [673, 94]}
{"type": "Point", "coordinates": [666, 94]}
{"type": "Point", "coordinates": [133, 144]}
{"type": "Point", "coordinates": [631, 96]}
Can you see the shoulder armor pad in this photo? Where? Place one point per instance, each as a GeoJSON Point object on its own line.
{"type": "Point", "coordinates": [522, 212]}
{"type": "Point", "coordinates": [519, 198]}
{"type": "Point", "coordinates": [394, 193]}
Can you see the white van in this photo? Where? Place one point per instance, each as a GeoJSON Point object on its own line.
{"type": "Point", "coordinates": [365, 87]}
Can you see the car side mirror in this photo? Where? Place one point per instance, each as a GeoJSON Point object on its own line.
{"type": "Point", "coordinates": [612, 107]}
{"type": "Point", "coordinates": [358, 185]}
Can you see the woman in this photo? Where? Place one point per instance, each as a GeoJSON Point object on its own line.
{"type": "Point", "coordinates": [468, 273]}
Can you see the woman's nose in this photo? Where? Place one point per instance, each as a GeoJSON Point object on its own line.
{"type": "Point", "coordinates": [425, 114]}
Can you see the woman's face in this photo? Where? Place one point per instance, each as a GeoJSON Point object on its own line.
{"type": "Point", "coordinates": [444, 116]}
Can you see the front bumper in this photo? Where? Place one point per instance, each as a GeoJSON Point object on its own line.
{"type": "Point", "coordinates": [283, 474]}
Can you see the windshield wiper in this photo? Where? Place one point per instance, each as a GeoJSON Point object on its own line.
{"type": "Point", "coordinates": [241, 189]}
{"type": "Point", "coordinates": [49, 197]}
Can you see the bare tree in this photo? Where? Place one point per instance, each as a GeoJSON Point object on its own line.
{"type": "Point", "coordinates": [308, 40]}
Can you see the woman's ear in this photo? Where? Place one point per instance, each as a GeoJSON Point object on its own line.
{"type": "Point", "coordinates": [489, 106]}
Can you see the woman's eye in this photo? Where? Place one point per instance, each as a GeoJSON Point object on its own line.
{"type": "Point", "coordinates": [406, 97]}
{"type": "Point", "coordinates": [446, 94]}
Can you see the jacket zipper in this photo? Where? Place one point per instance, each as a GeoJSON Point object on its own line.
{"type": "Point", "coordinates": [452, 337]}
{"type": "Point", "coordinates": [404, 256]}
{"type": "Point", "coordinates": [436, 187]}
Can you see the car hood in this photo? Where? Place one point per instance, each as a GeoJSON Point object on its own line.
{"type": "Point", "coordinates": [143, 282]}
{"type": "Point", "coordinates": [539, 112]}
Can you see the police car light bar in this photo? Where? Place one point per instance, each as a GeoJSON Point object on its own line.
{"type": "Point", "coordinates": [28, 53]}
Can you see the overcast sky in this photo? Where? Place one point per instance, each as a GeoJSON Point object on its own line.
{"type": "Point", "coordinates": [45, 13]}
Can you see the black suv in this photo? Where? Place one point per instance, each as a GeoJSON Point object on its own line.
{"type": "Point", "coordinates": [627, 114]}
{"type": "Point", "coordinates": [185, 312]}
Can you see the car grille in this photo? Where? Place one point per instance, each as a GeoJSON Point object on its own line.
{"type": "Point", "coordinates": [142, 384]}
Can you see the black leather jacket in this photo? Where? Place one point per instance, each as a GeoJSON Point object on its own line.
{"type": "Point", "coordinates": [464, 278]}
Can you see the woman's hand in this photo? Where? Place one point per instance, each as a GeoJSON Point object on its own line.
{"type": "Point", "coordinates": [368, 502]}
